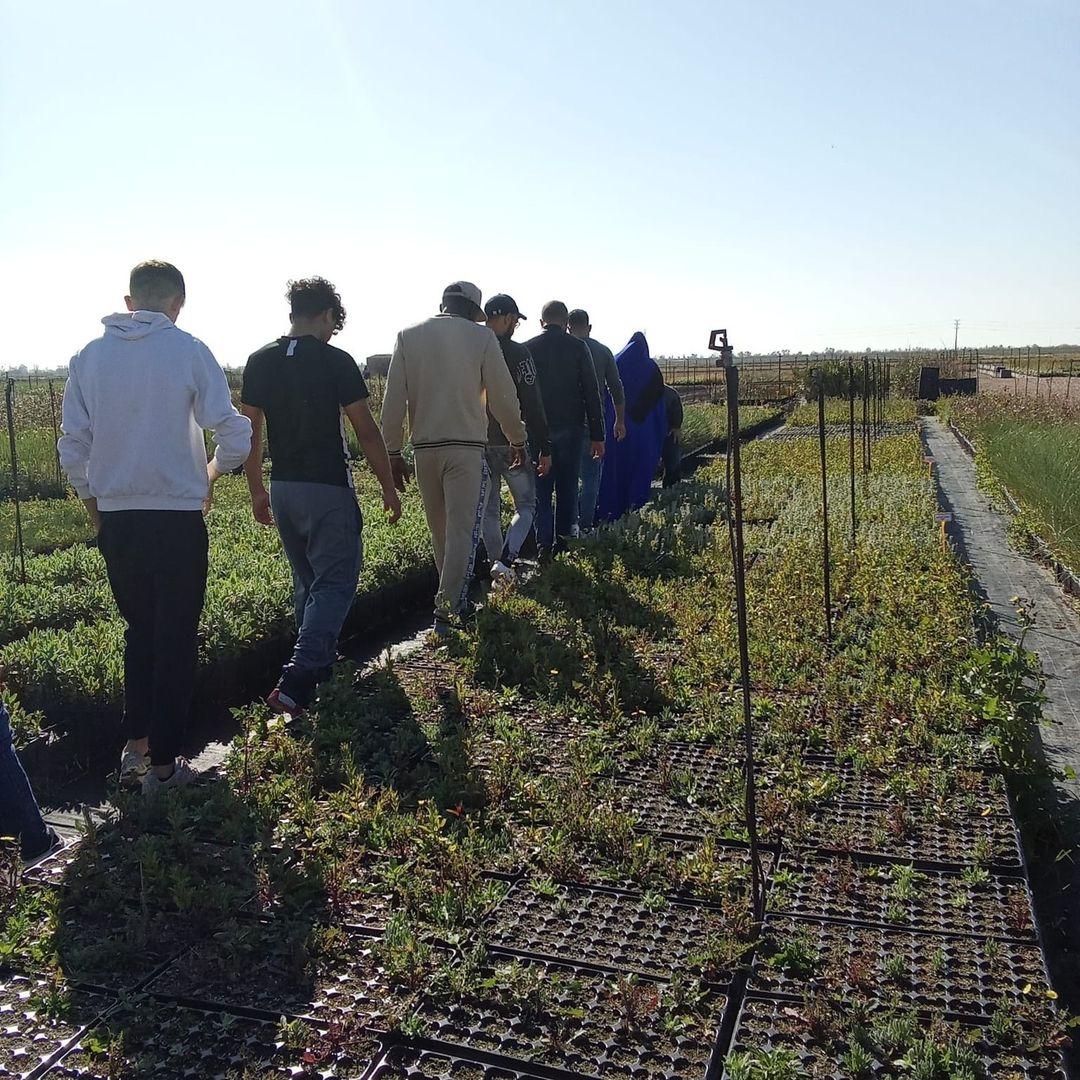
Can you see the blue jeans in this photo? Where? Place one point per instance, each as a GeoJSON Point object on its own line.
{"type": "Point", "coordinates": [320, 528]}
{"type": "Point", "coordinates": [19, 813]}
{"type": "Point", "coordinates": [561, 481]}
{"type": "Point", "coordinates": [591, 471]}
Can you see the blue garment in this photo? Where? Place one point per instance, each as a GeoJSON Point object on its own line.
{"type": "Point", "coordinates": [591, 470]}
{"type": "Point", "coordinates": [19, 814]}
{"type": "Point", "coordinates": [630, 465]}
{"type": "Point", "coordinates": [552, 531]}
{"type": "Point", "coordinates": [320, 527]}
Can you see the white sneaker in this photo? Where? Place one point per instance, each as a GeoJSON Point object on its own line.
{"type": "Point", "coordinates": [183, 775]}
{"type": "Point", "coordinates": [502, 576]}
{"type": "Point", "coordinates": [133, 767]}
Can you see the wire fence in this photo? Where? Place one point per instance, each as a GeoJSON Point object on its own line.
{"type": "Point", "coordinates": [30, 472]}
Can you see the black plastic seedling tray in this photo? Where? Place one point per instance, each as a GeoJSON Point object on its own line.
{"type": "Point", "coordinates": [845, 888]}
{"type": "Point", "coordinates": [928, 840]}
{"type": "Point", "coordinates": [415, 1063]}
{"type": "Point", "coordinates": [589, 1023]}
{"type": "Point", "coordinates": [606, 929]}
{"type": "Point", "coordinates": [263, 971]}
{"type": "Point", "coordinates": [975, 793]}
{"type": "Point", "coordinates": [777, 1026]}
{"type": "Point", "coordinates": [959, 976]}
{"type": "Point", "coordinates": [141, 1039]}
{"type": "Point", "coordinates": [39, 1017]}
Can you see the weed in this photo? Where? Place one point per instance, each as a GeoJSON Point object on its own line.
{"type": "Point", "coordinates": [775, 1064]}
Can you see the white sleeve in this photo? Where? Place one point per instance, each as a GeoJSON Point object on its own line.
{"type": "Point", "coordinates": [215, 412]}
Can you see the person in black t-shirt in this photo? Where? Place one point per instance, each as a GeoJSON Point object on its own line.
{"type": "Point", "coordinates": [303, 388]}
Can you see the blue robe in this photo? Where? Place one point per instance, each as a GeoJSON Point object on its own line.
{"type": "Point", "coordinates": [630, 465]}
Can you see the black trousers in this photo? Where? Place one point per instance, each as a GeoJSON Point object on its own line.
{"type": "Point", "coordinates": [157, 560]}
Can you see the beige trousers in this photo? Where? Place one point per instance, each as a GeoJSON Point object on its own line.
{"type": "Point", "coordinates": [451, 480]}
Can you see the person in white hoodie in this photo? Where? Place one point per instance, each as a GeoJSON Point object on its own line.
{"type": "Point", "coordinates": [135, 406]}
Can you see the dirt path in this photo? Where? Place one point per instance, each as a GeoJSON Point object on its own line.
{"type": "Point", "coordinates": [1050, 810]}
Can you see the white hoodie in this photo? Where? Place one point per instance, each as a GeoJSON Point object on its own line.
{"type": "Point", "coordinates": [135, 406]}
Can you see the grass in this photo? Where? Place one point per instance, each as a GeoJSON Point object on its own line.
{"type": "Point", "coordinates": [703, 424]}
{"type": "Point", "coordinates": [1033, 448]}
{"type": "Point", "coordinates": [837, 411]}
{"type": "Point", "coordinates": [537, 746]}
{"type": "Point", "coordinates": [47, 525]}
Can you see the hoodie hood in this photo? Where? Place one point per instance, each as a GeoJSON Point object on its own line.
{"type": "Point", "coordinates": [132, 325]}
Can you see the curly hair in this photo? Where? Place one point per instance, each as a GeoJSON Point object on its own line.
{"type": "Point", "coordinates": [312, 296]}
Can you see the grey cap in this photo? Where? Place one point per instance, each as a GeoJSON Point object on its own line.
{"type": "Point", "coordinates": [466, 290]}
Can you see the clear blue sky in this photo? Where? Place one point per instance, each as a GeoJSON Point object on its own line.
{"type": "Point", "coordinates": [807, 174]}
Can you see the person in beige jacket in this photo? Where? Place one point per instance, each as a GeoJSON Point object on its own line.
{"type": "Point", "coordinates": [446, 372]}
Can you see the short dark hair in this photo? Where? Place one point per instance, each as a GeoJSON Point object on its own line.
{"type": "Point", "coordinates": [554, 311]}
{"type": "Point", "coordinates": [578, 317]}
{"type": "Point", "coordinates": [312, 296]}
{"type": "Point", "coordinates": [154, 283]}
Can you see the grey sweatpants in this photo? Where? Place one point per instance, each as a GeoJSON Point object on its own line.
{"type": "Point", "coordinates": [451, 480]}
{"type": "Point", "coordinates": [320, 527]}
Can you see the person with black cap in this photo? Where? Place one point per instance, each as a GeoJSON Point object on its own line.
{"type": "Point", "coordinates": [446, 373]}
{"type": "Point", "coordinates": [575, 415]}
{"type": "Point", "coordinates": [607, 376]}
{"type": "Point", "coordinates": [502, 319]}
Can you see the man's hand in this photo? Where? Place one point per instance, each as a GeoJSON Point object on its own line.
{"type": "Point", "coordinates": [260, 507]}
{"type": "Point", "coordinates": [543, 466]}
{"type": "Point", "coordinates": [399, 467]}
{"type": "Point", "coordinates": [213, 475]}
{"type": "Point", "coordinates": [620, 430]}
{"type": "Point", "coordinates": [95, 514]}
{"type": "Point", "coordinates": [392, 505]}
{"type": "Point", "coordinates": [596, 448]}
{"type": "Point", "coordinates": [517, 457]}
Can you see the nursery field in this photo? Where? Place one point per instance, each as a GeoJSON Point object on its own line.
{"type": "Point", "coordinates": [1032, 449]}
{"type": "Point", "coordinates": [61, 638]}
{"type": "Point", "coordinates": [526, 854]}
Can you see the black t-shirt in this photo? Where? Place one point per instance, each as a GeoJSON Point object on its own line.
{"type": "Point", "coordinates": [301, 385]}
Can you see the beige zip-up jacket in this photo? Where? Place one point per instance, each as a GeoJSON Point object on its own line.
{"type": "Point", "coordinates": [447, 372]}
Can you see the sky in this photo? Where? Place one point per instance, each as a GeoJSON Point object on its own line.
{"type": "Point", "coordinates": [808, 175]}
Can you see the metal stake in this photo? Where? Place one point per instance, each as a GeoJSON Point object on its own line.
{"type": "Point", "coordinates": [757, 879]}
{"type": "Point", "coordinates": [851, 443]}
{"type": "Point", "coordinates": [9, 405]}
{"type": "Point", "coordinates": [824, 509]}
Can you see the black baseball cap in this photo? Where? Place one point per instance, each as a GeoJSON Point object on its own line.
{"type": "Point", "coordinates": [501, 304]}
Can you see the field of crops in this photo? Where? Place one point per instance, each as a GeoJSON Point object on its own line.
{"type": "Point", "coordinates": [1031, 447]}
{"type": "Point", "coordinates": [704, 424]}
{"type": "Point", "coordinates": [526, 855]}
{"type": "Point", "coordinates": [61, 637]}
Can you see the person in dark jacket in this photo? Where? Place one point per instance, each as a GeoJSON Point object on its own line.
{"type": "Point", "coordinates": [571, 396]}
{"type": "Point", "coordinates": [671, 455]}
{"type": "Point", "coordinates": [610, 384]}
{"type": "Point", "coordinates": [502, 319]}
